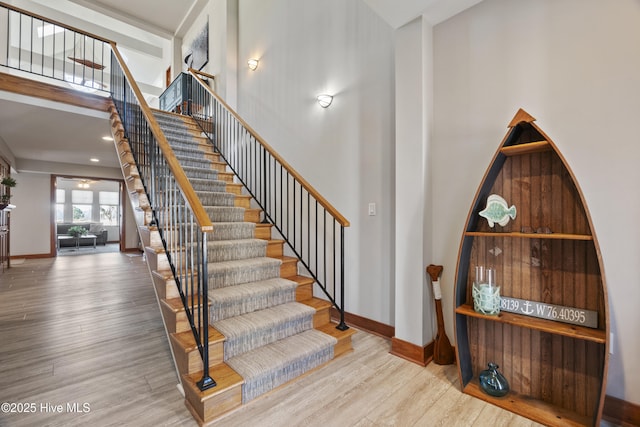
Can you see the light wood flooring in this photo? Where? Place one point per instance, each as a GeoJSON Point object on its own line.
{"type": "Point", "coordinates": [87, 331]}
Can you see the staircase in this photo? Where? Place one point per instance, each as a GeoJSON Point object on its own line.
{"type": "Point", "coordinates": [266, 327]}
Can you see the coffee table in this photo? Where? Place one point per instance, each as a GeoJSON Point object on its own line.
{"type": "Point", "coordinates": [87, 236]}
{"type": "Point", "coordinates": [62, 237]}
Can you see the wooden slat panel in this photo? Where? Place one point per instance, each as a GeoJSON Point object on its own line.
{"type": "Point", "coordinates": [515, 234]}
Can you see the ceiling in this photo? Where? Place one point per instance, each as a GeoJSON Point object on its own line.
{"type": "Point", "coordinates": [140, 28]}
{"type": "Point", "coordinates": [399, 12]}
{"type": "Point", "coordinates": [159, 15]}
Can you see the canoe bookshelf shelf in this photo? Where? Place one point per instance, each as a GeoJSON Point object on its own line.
{"type": "Point", "coordinates": [527, 148]}
{"type": "Point", "coordinates": [546, 414]}
{"type": "Point", "coordinates": [546, 254]}
{"type": "Point", "coordinates": [566, 329]}
{"type": "Point", "coordinates": [517, 234]}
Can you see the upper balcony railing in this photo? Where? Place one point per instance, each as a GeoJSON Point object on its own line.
{"type": "Point", "coordinates": [39, 46]}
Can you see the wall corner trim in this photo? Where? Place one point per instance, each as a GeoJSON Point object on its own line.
{"type": "Point", "coordinates": [412, 352]}
{"type": "Point", "coordinates": [621, 412]}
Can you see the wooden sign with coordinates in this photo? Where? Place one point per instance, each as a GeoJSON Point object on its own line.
{"type": "Point", "coordinates": [558, 313]}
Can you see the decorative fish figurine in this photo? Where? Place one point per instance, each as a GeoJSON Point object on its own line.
{"type": "Point", "coordinates": [498, 211]}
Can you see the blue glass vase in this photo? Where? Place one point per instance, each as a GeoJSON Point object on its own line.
{"type": "Point", "coordinates": [493, 382]}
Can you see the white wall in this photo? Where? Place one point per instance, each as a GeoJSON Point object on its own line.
{"type": "Point", "coordinates": [31, 219]}
{"type": "Point", "coordinates": [575, 66]}
{"type": "Point", "coordinates": [412, 227]}
{"type": "Point", "coordinates": [346, 152]}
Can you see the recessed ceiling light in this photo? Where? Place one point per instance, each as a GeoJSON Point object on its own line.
{"type": "Point", "coordinates": [94, 160]}
{"type": "Point", "coordinates": [107, 138]}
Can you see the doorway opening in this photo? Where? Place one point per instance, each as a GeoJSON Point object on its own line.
{"type": "Point", "coordinates": [87, 215]}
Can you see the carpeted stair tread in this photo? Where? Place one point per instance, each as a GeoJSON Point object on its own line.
{"type": "Point", "coordinates": [203, 184]}
{"type": "Point", "coordinates": [188, 143]}
{"type": "Point", "coordinates": [229, 250]}
{"type": "Point", "coordinates": [176, 129]}
{"type": "Point", "coordinates": [229, 273]}
{"type": "Point", "coordinates": [180, 144]}
{"type": "Point", "coordinates": [161, 115]}
{"type": "Point", "coordinates": [199, 162]}
{"type": "Point", "coordinates": [265, 368]}
{"type": "Point", "coordinates": [195, 172]}
{"type": "Point", "coordinates": [194, 151]}
{"type": "Point", "coordinates": [252, 330]}
{"type": "Point", "coordinates": [182, 138]}
{"type": "Point", "coordinates": [248, 297]}
{"type": "Point", "coordinates": [225, 213]}
{"type": "Point", "coordinates": [232, 230]}
{"type": "Point", "coordinates": [216, 198]}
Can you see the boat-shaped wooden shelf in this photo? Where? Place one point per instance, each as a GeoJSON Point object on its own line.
{"type": "Point", "coordinates": [548, 254]}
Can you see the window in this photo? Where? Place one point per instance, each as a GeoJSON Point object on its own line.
{"type": "Point", "coordinates": [60, 195]}
{"type": "Point", "coordinates": [109, 203]}
{"type": "Point", "coordinates": [81, 204]}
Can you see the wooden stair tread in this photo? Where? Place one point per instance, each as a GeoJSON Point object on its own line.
{"type": "Point", "coordinates": [159, 250]}
{"type": "Point", "coordinates": [301, 280]}
{"type": "Point", "coordinates": [163, 274]}
{"type": "Point", "coordinates": [188, 342]}
{"type": "Point", "coordinates": [317, 303]}
{"type": "Point", "coordinates": [263, 231]}
{"type": "Point", "coordinates": [253, 210]}
{"type": "Point", "coordinates": [285, 258]}
{"type": "Point", "coordinates": [175, 304]}
{"type": "Point", "coordinates": [168, 274]}
{"type": "Point", "coordinates": [234, 187]}
{"type": "Point", "coordinates": [226, 174]}
{"type": "Point", "coordinates": [224, 376]}
{"type": "Point", "coordinates": [344, 344]}
{"type": "Point", "coordinates": [330, 329]}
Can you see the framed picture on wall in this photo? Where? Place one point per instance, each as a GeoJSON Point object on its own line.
{"type": "Point", "coordinates": [197, 55]}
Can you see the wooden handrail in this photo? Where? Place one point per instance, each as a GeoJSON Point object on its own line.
{"type": "Point", "coordinates": [201, 216]}
{"type": "Point", "coordinates": [207, 75]}
{"type": "Point", "coordinates": [51, 21]}
{"type": "Point", "coordinates": [312, 191]}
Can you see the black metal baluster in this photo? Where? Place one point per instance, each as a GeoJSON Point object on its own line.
{"type": "Point", "coordinates": [342, 325]}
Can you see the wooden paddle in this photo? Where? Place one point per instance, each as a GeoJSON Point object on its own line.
{"type": "Point", "coordinates": [442, 350]}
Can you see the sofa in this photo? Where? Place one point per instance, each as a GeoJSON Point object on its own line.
{"type": "Point", "coordinates": [94, 228]}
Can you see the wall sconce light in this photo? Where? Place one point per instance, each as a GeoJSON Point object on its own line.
{"type": "Point", "coordinates": [252, 64]}
{"type": "Point", "coordinates": [324, 100]}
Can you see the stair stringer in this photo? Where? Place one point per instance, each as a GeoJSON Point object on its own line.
{"type": "Point", "coordinates": [142, 211]}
